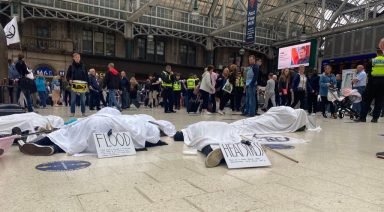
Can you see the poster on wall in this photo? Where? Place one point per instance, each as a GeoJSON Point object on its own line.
{"type": "Point", "coordinates": [347, 76]}
{"type": "Point", "coordinates": [294, 56]}
{"type": "Point", "coordinates": [250, 33]}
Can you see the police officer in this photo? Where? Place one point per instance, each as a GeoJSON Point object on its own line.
{"type": "Point", "coordinates": [192, 82]}
{"type": "Point", "coordinates": [177, 91]}
{"type": "Point", "coordinates": [375, 87]}
{"type": "Point", "coordinates": [167, 83]}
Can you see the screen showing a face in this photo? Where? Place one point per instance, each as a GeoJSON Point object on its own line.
{"type": "Point", "coordinates": [294, 56]}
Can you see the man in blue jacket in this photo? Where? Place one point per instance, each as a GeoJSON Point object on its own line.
{"type": "Point", "coordinates": [94, 90]}
{"type": "Point", "coordinates": [251, 84]}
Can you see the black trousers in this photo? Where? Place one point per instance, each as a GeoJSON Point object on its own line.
{"type": "Point", "coordinates": [67, 97]}
{"type": "Point", "coordinates": [324, 103]}
{"type": "Point", "coordinates": [238, 96]}
{"type": "Point", "coordinates": [212, 100]}
{"type": "Point", "coordinates": [374, 91]}
{"type": "Point", "coordinates": [224, 100]}
{"type": "Point", "coordinates": [45, 141]}
{"type": "Point", "coordinates": [299, 96]}
{"type": "Point", "coordinates": [94, 99]}
{"type": "Point", "coordinates": [205, 97]}
{"type": "Point", "coordinates": [312, 103]}
{"type": "Point", "coordinates": [168, 99]}
{"type": "Point", "coordinates": [176, 99]}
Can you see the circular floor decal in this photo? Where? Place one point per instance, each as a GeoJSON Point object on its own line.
{"type": "Point", "coordinates": [62, 166]}
{"type": "Point", "coordinates": [279, 146]}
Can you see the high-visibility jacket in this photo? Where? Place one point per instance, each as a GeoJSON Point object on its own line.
{"type": "Point", "coordinates": [378, 66]}
{"type": "Point", "coordinates": [168, 76]}
{"type": "Point", "coordinates": [191, 83]}
{"type": "Point", "coordinates": [240, 82]}
{"type": "Point", "coordinates": [177, 85]}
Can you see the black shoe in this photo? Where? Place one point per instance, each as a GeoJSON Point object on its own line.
{"type": "Point", "coordinates": [325, 115]}
{"type": "Point", "coordinates": [172, 111]}
{"type": "Point", "coordinates": [91, 108]}
{"type": "Point", "coordinates": [98, 109]}
{"type": "Point", "coordinates": [382, 115]}
{"type": "Point", "coordinates": [167, 112]}
{"type": "Point", "coordinates": [380, 155]}
{"type": "Point", "coordinates": [360, 120]}
{"type": "Point", "coordinates": [35, 149]}
{"type": "Point", "coordinates": [264, 110]}
{"type": "Point", "coordinates": [374, 120]}
{"type": "Point", "coordinates": [257, 114]}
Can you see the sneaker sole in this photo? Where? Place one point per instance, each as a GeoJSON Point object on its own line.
{"type": "Point", "coordinates": [34, 149]}
{"type": "Point", "coordinates": [214, 158]}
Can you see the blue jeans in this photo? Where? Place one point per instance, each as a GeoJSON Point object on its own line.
{"type": "Point", "coordinates": [73, 101]}
{"type": "Point", "coordinates": [43, 98]}
{"type": "Point", "coordinates": [124, 99]}
{"type": "Point", "coordinates": [28, 98]}
{"type": "Point", "coordinates": [112, 99]}
{"type": "Point", "coordinates": [250, 101]}
{"type": "Point", "coordinates": [357, 106]}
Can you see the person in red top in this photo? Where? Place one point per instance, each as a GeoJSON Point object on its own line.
{"type": "Point", "coordinates": [112, 82]}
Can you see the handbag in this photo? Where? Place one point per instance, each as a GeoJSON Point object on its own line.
{"type": "Point", "coordinates": [228, 87]}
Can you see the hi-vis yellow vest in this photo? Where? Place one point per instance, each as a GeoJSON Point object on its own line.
{"type": "Point", "coordinates": [177, 86]}
{"type": "Point", "coordinates": [169, 77]}
{"type": "Point", "coordinates": [239, 82]}
{"type": "Point", "coordinates": [378, 66]}
{"type": "Point", "coordinates": [191, 83]}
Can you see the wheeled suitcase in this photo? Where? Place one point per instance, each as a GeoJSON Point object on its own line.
{"type": "Point", "coordinates": [9, 109]}
{"type": "Point", "coordinates": [193, 105]}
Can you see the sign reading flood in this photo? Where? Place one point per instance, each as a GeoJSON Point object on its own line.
{"type": "Point", "coordinates": [113, 145]}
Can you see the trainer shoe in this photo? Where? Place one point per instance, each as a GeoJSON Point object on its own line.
{"type": "Point", "coordinates": [380, 155]}
{"type": "Point", "coordinates": [220, 112]}
{"type": "Point", "coordinates": [214, 158]}
{"type": "Point", "coordinates": [35, 149]}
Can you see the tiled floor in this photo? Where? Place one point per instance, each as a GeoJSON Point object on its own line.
{"type": "Point", "coordinates": [338, 171]}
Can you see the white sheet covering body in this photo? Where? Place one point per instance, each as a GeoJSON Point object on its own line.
{"type": "Point", "coordinates": [29, 121]}
{"type": "Point", "coordinates": [276, 120]}
{"type": "Point", "coordinates": [78, 137]}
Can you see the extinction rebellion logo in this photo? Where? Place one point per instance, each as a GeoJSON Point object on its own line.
{"type": "Point", "coordinates": [10, 32]}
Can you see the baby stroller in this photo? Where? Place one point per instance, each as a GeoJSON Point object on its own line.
{"type": "Point", "coordinates": [344, 103]}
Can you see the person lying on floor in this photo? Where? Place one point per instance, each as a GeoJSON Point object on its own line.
{"type": "Point", "coordinates": [29, 122]}
{"type": "Point", "coordinates": [77, 137]}
{"type": "Point", "coordinates": [206, 136]}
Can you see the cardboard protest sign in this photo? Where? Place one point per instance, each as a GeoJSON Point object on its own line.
{"type": "Point", "coordinates": [276, 139]}
{"type": "Point", "coordinates": [240, 155]}
{"type": "Point", "coordinates": [113, 145]}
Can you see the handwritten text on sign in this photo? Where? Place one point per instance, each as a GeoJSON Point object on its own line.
{"type": "Point", "coordinates": [241, 155]}
{"type": "Point", "coordinates": [116, 144]}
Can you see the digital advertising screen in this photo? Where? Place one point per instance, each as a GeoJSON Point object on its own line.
{"type": "Point", "coordinates": [294, 56]}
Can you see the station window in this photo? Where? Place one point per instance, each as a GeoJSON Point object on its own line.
{"type": "Point", "coordinates": [151, 51]}
{"type": "Point", "coordinates": [141, 48]}
{"type": "Point", "coordinates": [99, 43]}
{"type": "Point", "coordinates": [191, 55]}
{"type": "Point", "coordinates": [43, 32]}
{"type": "Point", "coordinates": [110, 44]}
{"type": "Point", "coordinates": [87, 42]}
{"type": "Point", "coordinates": [183, 54]}
{"type": "Point", "coordinates": [160, 51]}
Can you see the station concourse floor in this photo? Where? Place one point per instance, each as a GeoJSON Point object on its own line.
{"type": "Point", "coordinates": [337, 171]}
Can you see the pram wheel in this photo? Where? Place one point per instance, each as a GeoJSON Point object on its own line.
{"type": "Point", "coordinates": [341, 115]}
